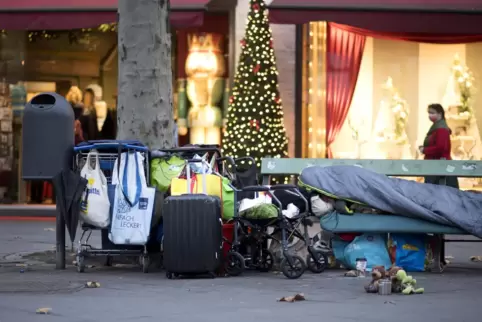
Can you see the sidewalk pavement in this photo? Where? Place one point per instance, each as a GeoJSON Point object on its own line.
{"type": "Point", "coordinates": [126, 294]}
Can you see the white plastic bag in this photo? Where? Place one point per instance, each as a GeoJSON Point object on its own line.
{"type": "Point", "coordinates": [321, 207]}
{"type": "Point", "coordinates": [247, 203]}
{"type": "Point", "coordinates": [133, 202]}
{"type": "Point", "coordinates": [95, 205]}
{"type": "Point", "coordinates": [291, 211]}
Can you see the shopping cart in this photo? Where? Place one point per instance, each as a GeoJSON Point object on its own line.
{"type": "Point", "coordinates": [108, 151]}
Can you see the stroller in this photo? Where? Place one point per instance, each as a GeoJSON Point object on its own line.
{"type": "Point", "coordinates": [251, 236]}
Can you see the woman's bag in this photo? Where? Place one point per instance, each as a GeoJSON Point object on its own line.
{"type": "Point", "coordinates": [95, 203]}
{"type": "Point", "coordinates": [133, 202]}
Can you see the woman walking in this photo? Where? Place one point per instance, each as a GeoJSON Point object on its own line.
{"type": "Point", "coordinates": [437, 145]}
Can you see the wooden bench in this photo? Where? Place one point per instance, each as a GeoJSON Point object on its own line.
{"type": "Point", "coordinates": [371, 223]}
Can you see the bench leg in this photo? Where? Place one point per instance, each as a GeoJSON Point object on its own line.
{"type": "Point", "coordinates": [438, 254]}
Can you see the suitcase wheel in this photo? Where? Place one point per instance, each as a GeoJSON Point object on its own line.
{"type": "Point", "coordinates": [171, 276]}
{"type": "Point", "coordinates": [235, 264]}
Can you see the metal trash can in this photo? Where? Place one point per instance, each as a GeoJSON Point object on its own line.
{"type": "Point", "coordinates": [47, 136]}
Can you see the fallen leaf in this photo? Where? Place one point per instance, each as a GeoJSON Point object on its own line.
{"type": "Point", "coordinates": [389, 302]}
{"type": "Point", "coordinates": [92, 284]}
{"type": "Point", "coordinates": [43, 310]}
{"type": "Point", "coordinates": [296, 298]}
{"type": "Point", "coordinates": [476, 258]}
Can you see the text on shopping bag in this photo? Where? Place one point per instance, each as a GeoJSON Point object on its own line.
{"type": "Point", "coordinates": [124, 217]}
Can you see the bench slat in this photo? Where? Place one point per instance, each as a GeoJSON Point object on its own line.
{"type": "Point", "coordinates": [371, 223]}
{"type": "Point", "coordinates": [399, 168]}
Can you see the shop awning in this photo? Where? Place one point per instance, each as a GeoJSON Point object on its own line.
{"type": "Point", "coordinates": [76, 14]}
{"type": "Point", "coordinates": [418, 16]}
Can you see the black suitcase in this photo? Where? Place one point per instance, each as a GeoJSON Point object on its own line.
{"type": "Point", "coordinates": [192, 235]}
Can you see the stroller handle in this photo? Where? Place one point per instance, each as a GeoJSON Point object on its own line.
{"type": "Point", "coordinates": [244, 159]}
{"type": "Point", "coordinates": [255, 189]}
{"type": "Point", "coordinates": [228, 159]}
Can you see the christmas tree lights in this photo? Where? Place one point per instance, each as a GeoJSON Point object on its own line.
{"type": "Point", "coordinates": [255, 117]}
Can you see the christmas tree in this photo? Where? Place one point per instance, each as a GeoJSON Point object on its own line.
{"type": "Point", "coordinates": [255, 117]}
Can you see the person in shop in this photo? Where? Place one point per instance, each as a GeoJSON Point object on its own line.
{"type": "Point", "coordinates": [88, 118]}
{"type": "Point", "coordinates": [74, 97]}
{"type": "Point", "coordinates": [109, 129]}
{"type": "Point", "coordinates": [437, 144]}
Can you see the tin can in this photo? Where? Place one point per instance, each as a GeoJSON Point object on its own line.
{"type": "Point", "coordinates": [385, 287]}
{"type": "Point", "coordinates": [361, 266]}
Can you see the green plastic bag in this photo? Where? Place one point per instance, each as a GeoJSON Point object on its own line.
{"type": "Point", "coordinates": [163, 170]}
{"type": "Point", "coordinates": [263, 211]}
{"type": "Point", "coordinates": [228, 199]}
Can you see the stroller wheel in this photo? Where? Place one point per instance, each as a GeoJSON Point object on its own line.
{"type": "Point", "coordinates": [234, 264]}
{"type": "Point", "coordinates": [295, 269]}
{"type": "Point", "coordinates": [265, 260]}
{"type": "Point", "coordinates": [317, 262]}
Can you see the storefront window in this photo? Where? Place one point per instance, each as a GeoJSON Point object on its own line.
{"type": "Point", "coordinates": [314, 90]}
{"type": "Point", "coordinates": [381, 86]}
{"type": "Point", "coordinates": [67, 61]}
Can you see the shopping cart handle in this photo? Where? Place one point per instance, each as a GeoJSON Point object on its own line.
{"type": "Point", "coordinates": [107, 146]}
{"type": "Point", "coordinates": [198, 149]}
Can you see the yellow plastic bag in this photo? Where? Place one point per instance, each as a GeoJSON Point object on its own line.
{"type": "Point", "coordinates": [213, 185]}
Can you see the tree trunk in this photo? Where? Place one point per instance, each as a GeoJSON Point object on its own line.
{"type": "Point", "coordinates": [144, 109]}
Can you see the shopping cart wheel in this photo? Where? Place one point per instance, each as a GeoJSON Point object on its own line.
{"type": "Point", "coordinates": [108, 261]}
{"type": "Point", "coordinates": [80, 263]}
{"type": "Point", "coordinates": [145, 263]}
{"type": "Point", "coordinates": [265, 260]}
{"type": "Point", "coordinates": [317, 262]}
{"type": "Point", "coordinates": [171, 276]}
{"type": "Point", "coordinates": [293, 266]}
{"type": "Point", "coordinates": [234, 264]}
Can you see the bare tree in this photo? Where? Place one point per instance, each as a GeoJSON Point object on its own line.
{"type": "Point", "coordinates": [144, 108]}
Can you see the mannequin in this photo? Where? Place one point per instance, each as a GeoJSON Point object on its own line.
{"type": "Point", "coordinates": [100, 105]}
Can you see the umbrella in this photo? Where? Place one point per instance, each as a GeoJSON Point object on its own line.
{"type": "Point", "coordinates": [69, 187]}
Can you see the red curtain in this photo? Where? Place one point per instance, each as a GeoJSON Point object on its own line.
{"type": "Point", "coordinates": [343, 59]}
{"type": "Point", "coordinates": [411, 36]}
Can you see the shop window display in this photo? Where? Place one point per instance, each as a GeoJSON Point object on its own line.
{"type": "Point", "coordinates": [395, 82]}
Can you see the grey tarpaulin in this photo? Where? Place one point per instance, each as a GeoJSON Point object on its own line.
{"type": "Point", "coordinates": [440, 204]}
{"type": "Point", "coordinates": [69, 187]}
